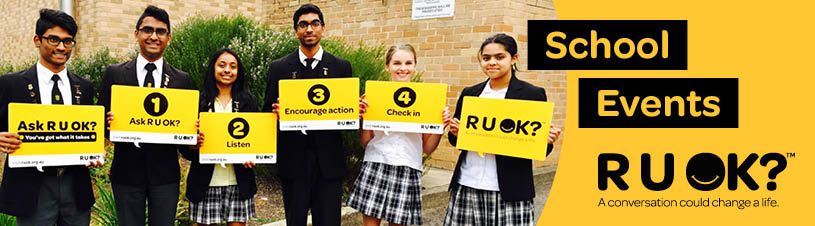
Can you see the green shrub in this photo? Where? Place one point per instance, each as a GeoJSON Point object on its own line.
{"type": "Point", "coordinates": [7, 219]}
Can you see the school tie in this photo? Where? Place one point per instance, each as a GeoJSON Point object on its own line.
{"type": "Point", "coordinates": [148, 80]}
{"type": "Point", "coordinates": [56, 96]}
{"type": "Point", "coordinates": [308, 63]}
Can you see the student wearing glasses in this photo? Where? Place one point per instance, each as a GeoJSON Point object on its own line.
{"type": "Point", "coordinates": [147, 175]}
{"type": "Point", "coordinates": [59, 195]}
{"type": "Point", "coordinates": [310, 167]}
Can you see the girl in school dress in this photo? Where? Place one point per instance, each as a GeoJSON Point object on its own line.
{"type": "Point", "coordinates": [223, 194]}
{"type": "Point", "coordinates": [494, 190]}
{"type": "Point", "coordinates": [389, 184]}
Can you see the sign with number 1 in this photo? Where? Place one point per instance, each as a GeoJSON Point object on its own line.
{"type": "Point", "coordinates": [153, 115]}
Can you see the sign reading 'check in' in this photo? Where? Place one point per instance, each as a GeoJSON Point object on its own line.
{"type": "Point", "coordinates": [319, 104]}
{"type": "Point", "coordinates": [238, 137]}
{"type": "Point", "coordinates": [153, 115]}
{"type": "Point", "coordinates": [518, 128]}
{"type": "Point", "coordinates": [405, 107]}
{"type": "Point", "coordinates": [75, 136]}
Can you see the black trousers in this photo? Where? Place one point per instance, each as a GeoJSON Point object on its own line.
{"type": "Point", "coordinates": [56, 205]}
{"type": "Point", "coordinates": [161, 201]}
{"type": "Point", "coordinates": [323, 196]}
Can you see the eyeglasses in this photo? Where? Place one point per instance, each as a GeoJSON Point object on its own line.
{"type": "Point", "coordinates": [314, 24]}
{"type": "Point", "coordinates": [54, 41]}
{"type": "Point", "coordinates": [148, 31]}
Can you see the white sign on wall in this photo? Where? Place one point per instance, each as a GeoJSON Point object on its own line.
{"type": "Point", "coordinates": [428, 9]}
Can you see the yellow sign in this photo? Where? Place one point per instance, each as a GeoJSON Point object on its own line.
{"type": "Point", "coordinates": [319, 104]}
{"type": "Point", "coordinates": [405, 106]}
{"type": "Point", "coordinates": [70, 135]}
{"type": "Point", "coordinates": [153, 115]}
{"type": "Point", "coordinates": [518, 128]}
{"type": "Point", "coordinates": [238, 137]}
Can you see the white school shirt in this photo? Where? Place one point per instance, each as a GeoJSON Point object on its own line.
{"type": "Point", "coordinates": [223, 176]}
{"type": "Point", "coordinates": [141, 72]}
{"type": "Point", "coordinates": [317, 57]}
{"type": "Point", "coordinates": [396, 149]}
{"type": "Point", "coordinates": [47, 85]}
{"type": "Point", "coordinates": [480, 172]}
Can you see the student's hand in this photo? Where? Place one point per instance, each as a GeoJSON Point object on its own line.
{"type": "Point", "coordinates": [249, 164]}
{"type": "Point", "coordinates": [109, 118]}
{"type": "Point", "coordinates": [446, 117]}
{"type": "Point", "coordinates": [95, 164]}
{"type": "Point", "coordinates": [554, 133]}
{"type": "Point", "coordinates": [276, 108]}
{"type": "Point", "coordinates": [363, 105]}
{"type": "Point", "coordinates": [454, 126]}
{"type": "Point", "coordinates": [9, 142]}
{"type": "Point", "coordinates": [200, 141]}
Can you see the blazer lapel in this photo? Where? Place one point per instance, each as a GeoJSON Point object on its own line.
{"type": "Point", "coordinates": [32, 84]}
{"type": "Point", "coordinates": [130, 76]}
{"type": "Point", "coordinates": [294, 64]}
{"type": "Point", "coordinates": [326, 64]}
{"type": "Point", "coordinates": [514, 89]}
{"type": "Point", "coordinates": [75, 89]}
{"type": "Point", "coordinates": [166, 78]}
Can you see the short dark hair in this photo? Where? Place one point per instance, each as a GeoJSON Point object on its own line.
{"type": "Point", "coordinates": [305, 9]}
{"type": "Point", "coordinates": [50, 18]}
{"type": "Point", "coordinates": [155, 12]}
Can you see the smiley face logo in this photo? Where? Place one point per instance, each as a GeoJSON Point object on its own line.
{"type": "Point", "coordinates": [507, 125]}
{"type": "Point", "coordinates": [705, 171]}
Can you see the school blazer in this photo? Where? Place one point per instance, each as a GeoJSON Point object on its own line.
{"type": "Point", "coordinates": [294, 148]}
{"type": "Point", "coordinates": [152, 164]}
{"type": "Point", "coordinates": [514, 174]}
{"type": "Point", "coordinates": [201, 174]}
{"type": "Point", "coordinates": [20, 188]}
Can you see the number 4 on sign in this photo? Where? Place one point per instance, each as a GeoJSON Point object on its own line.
{"type": "Point", "coordinates": [404, 97]}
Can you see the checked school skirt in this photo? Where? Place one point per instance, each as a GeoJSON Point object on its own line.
{"type": "Point", "coordinates": [222, 204]}
{"type": "Point", "coordinates": [391, 193]}
{"type": "Point", "coordinates": [469, 206]}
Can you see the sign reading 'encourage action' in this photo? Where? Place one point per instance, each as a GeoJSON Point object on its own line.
{"type": "Point", "coordinates": [153, 115]}
{"type": "Point", "coordinates": [238, 137]}
{"type": "Point", "coordinates": [518, 128]}
{"type": "Point", "coordinates": [74, 136]}
{"type": "Point", "coordinates": [405, 107]}
{"type": "Point", "coordinates": [319, 104]}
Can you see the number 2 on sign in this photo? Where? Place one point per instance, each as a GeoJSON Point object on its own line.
{"type": "Point", "coordinates": [238, 131]}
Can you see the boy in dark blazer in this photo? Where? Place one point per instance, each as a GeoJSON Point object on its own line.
{"type": "Point", "coordinates": [149, 173]}
{"type": "Point", "coordinates": [310, 167]}
{"type": "Point", "coordinates": [58, 195]}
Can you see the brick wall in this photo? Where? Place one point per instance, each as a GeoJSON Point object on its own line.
{"type": "Point", "coordinates": [19, 19]}
{"type": "Point", "coordinates": [446, 47]}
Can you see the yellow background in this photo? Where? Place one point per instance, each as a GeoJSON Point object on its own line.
{"type": "Point", "coordinates": [430, 101]}
{"type": "Point", "coordinates": [262, 133]}
{"type": "Point", "coordinates": [767, 45]}
{"type": "Point", "coordinates": [344, 92]}
{"type": "Point", "coordinates": [70, 113]}
{"type": "Point", "coordinates": [502, 109]}
{"type": "Point", "coordinates": [128, 102]}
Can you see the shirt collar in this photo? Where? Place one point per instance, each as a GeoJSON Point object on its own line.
{"type": "Point", "coordinates": [141, 62]}
{"type": "Point", "coordinates": [44, 74]}
{"type": "Point", "coordinates": [318, 56]}
{"type": "Point", "coordinates": [487, 89]}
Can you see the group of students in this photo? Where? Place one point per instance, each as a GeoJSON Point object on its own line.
{"type": "Point", "coordinates": [485, 190]}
